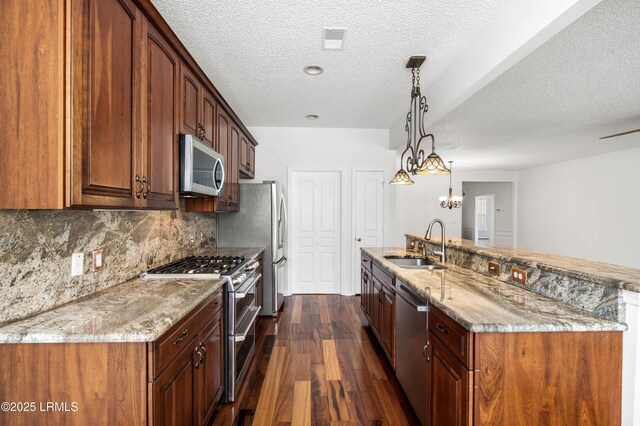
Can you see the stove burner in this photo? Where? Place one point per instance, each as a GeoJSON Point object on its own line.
{"type": "Point", "coordinates": [223, 265]}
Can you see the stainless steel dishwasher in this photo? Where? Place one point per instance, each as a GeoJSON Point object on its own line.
{"type": "Point", "coordinates": [411, 338]}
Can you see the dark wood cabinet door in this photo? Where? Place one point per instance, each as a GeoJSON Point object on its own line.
{"type": "Point", "coordinates": [105, 43]}
{"type": "Point", "coordinates": [363, 290]}
{"type": "Point", "coordinates": [208, 119]}
{"type": "Point", "coordinates": [244, 154]}
{"type": "Point", "coordinates": [209, 373]}
{"type": "Point", "coordinates": [389, 325]}
{"type": "Point", "coordinates": [224, 126]}
{"type": "Point", "coordinates": [189, 101]}
{"type": "Point", "coordinates": [448, 387]}
{"type": "Point", "coordinates": [234, 200]}
{"type": "Point", "coordinates": [252, 160]}
{"type": "Point", "coordinates": [173, 392]}
{"type": "Point", "coordinates": [376, 309]}
{"type": "Point", "coordinates": [161, 135]}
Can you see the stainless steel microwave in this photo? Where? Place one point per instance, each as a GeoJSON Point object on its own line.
{"type": "Point", "coordinates": [201, 168]}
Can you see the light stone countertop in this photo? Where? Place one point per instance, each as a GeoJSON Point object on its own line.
{"type": "Point", "coordinates": [483, 304]}
{"type": "Point", "coordinates": [138, 310]}
{"type": "Point", "coordinates": [607, 274]}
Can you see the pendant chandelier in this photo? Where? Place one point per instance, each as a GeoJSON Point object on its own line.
{"type": "Point", "coordinates": [415, 161]}
{"type": "Point", "coordinates": [451, 201]}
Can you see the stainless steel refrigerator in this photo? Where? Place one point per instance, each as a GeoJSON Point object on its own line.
{"type": "Point", "coordinates": [261, 222]}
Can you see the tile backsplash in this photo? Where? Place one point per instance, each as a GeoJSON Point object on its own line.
{"type": "Point", "coordinates": [36, 248]}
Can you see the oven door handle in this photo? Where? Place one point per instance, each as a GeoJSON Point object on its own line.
{"type": "Point", "coordinates": [242, 293]}
{"type": "Point", "coordinates": [240, 337]}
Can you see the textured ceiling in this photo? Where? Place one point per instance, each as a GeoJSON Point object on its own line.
{"type": "Point", "coordinates": [254, 52]}
{"type": "Point", "coordinates": [553, 105]}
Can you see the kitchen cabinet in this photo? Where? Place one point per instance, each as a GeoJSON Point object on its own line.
{"type": "Point", "coordinates": [209, 372]}
{"type": "Point", "coordinates": [105, 154]}
{"type": "Point", "coordinates": [229, 201]}
{"type": "Point", "coordinates": [160, 149]}
{"type": "Point", "coordinates": [449, 387]}
{"type": "Point", "coordinates": [96, 126]}
{"type": "Point", "coordinates": [176, 379]}
{"type": "Point", "coordinates": [247, 157]}
{"type": "Point", "coordinates": [378, 298]}
{"type": "Point", "coordinates": [197, 107]}
{"type": "Point", "coordinates": [506, 378]}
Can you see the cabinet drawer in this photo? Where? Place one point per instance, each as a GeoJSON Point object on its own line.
{"type": "Point", "coordinates": [170, 344]}
{"type": "Point", "coordinates": [383, 276]}
{"type": "Point", "coordinates": [455, 337]}
{"type": "Point", "coordinates": [365, 261]}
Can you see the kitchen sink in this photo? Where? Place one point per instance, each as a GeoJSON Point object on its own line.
{"type": "Point", "coordinates": [414, 262]}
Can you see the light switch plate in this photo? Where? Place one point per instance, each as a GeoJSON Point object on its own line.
{"type": "Point", "coordinates": [98, 259]}
{"type": "Point", "coordinates": [77, 261]}
{"type": "Point", "coordinates": [519, 275]}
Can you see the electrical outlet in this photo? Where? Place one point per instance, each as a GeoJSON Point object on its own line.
{"type": "Point", "coordinates": [98, 259]}
{"type": "Point", "coordinates": [519, 275]}
{"type": "Point", "coordinates": [493, 268]}
{"type": "Point", "coordinates": [77, 262]}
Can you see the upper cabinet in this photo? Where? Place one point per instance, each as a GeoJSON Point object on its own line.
{"type": "Point", "coordinates": [197, 107]}
{"type": "Point", "coordinates": [247, 157]}
{"type": "Point", "coordinates": [93, 104]}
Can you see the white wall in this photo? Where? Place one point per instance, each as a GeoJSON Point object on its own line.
{"type": "Point", "coordinates": [282, 149]}
{"type": "Point", "coordinates": [586, 208]}
{"type": "Point", "coordinates": [418, 204]}
{"type": "Point", "coordinates": [503, 192]}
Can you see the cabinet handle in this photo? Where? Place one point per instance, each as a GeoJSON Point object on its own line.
{"type": "Point", "coordinates": [201, 357]}
{"type": "Point", "coordinates": [204, 351]}
{"type": "Point", "coordinates": [428, 359]}
{"type": "Point", "coordinates": [424, 350]}
{"type": "Point", "coordinates": [183, 336]}
{"type": "Point", "coordinates": [141, 182]}
{"type": "Point", "coordinates": [146, 194]}
{"type": "Point", "coordinates": [442, 328]}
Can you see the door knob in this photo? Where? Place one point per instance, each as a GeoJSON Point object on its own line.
{"type": "Point", "coordinates": [358, 239]}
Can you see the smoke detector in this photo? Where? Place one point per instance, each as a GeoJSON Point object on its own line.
{"type": "Point", "coordinates": [333, 38]}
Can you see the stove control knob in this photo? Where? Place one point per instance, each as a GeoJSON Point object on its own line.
{"type": "Point", "coordinates": [238, 280]}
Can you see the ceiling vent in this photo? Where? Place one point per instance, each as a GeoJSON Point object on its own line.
{"type": "Point", "coordinates": [333, 38]}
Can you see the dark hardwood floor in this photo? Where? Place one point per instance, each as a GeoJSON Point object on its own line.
{"type": "Point", "coordinates": [316, 365]}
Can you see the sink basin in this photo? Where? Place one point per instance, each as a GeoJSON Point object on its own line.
{"type": "Point", "coordinates": [414, 262]}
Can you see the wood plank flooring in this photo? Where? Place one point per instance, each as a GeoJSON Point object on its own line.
{"type": "Point", "coordinates": [316, 365]}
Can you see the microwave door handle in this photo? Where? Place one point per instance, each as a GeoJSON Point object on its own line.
{"type": "Point", "coordinates": [214, 173]}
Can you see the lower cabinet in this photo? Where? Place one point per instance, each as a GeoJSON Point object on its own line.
{"type": "Point", "coordinates": [173, 393]}
{"type": "Point", "coordinates": [188, 388]}
{"type": "Point", "coordinates": [448, 387]}
{"type": "Point", "coordinates": [378, 299]}
{"type": "Point", "coordinates": [506, 378]}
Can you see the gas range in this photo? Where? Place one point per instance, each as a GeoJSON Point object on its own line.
{"type": "Point", "coordinates": [205, 267]}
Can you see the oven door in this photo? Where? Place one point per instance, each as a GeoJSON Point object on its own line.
{"type": "Point", "coordinates": [241, 350]}
{"type": "Point", "coordinates": [242, 302]}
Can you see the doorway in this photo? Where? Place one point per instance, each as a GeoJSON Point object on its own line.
{"type": "Point", "coordinates": [484, 220]}
{"type": "Point", "coordinates": [368, 215]}
{"type": "Point", "coordinates": [316, 212]}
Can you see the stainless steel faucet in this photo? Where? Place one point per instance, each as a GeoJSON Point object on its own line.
{"type": "Point", "coordinates": [427, 236]}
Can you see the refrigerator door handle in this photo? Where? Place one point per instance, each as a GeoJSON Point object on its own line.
{"type": "Point", "coordinates": [283, 221]}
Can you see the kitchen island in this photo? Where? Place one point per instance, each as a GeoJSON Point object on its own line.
{"type": "Point", "coordinates": [497, 353]}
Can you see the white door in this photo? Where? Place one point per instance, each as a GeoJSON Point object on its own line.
{"type": "Point", "coordinates": [315, 232]}
{"type": "Point", "coordinates": [368, 216]}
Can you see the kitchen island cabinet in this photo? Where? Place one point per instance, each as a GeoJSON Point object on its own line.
{"type": "Point", "coordinates": [500, 355]}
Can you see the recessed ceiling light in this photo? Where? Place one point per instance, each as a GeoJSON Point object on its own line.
{"type": "Point", "coordinates": [313, 70]}
{"type": "Point", "coordinates": [311, 117]}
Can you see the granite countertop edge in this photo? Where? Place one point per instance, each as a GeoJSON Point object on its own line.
{"type": "Point", "coordinates": [587, 322]}
{"type": "Point", "coordinates": [590, 276]}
